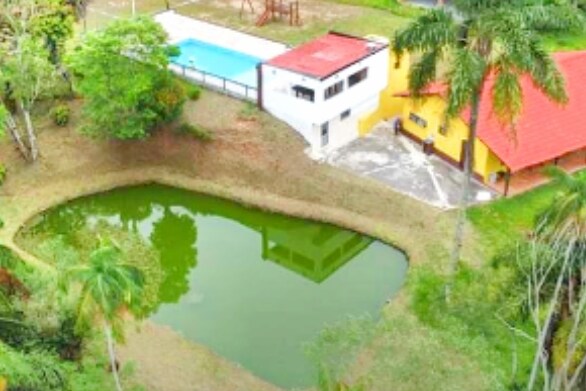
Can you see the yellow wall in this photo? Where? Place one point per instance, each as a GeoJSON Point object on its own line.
{"type": "Point", "coordinates": [432, 110]}
{"type": "Point", "coordinates": [389, 105]}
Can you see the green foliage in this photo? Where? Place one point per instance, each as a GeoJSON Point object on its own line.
{"type": "Point", "coordinates": [475, 321]}
{"type": "Point", "coordinates": [3, 117]}
{"type": "Point", "coordinates": [37, 370]}
{"type": "Point", "coordinates": [193, 91]}
{"type": "Point", "coordinates": [119, 70]}
{"type": "Point", "coordinates": [54, 24]}
{"type": "Point", "coordinates": [3, 171]}
{"type": "Point", "coordinates": [195, 131]}
{"type": "Point", "coordinates": [394, 6]}
{"type": "Point", "coordinates": [61, 114]}
{"type": "Point", "coordinates": [168, 99]}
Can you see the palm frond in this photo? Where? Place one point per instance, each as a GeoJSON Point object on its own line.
{"type": "Point", "coordinates": [424, 72]}
{"type": "Point", "coordinates": [551, 17]}
{"type": "Point", "coordinates": [465, 80]}
{"type": "Point", "coordinates": [432, 31]}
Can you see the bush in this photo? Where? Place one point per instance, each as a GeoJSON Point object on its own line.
{"type": "Point", "coordinates": [193, 92]}
{"type": "Point", "coordinates": [195, 131]}
{"type": "Point", "coordinates": [168, 99]}
{"type": "Point", "coordinates": [2, 173]}
{"type": "Point", "coordinates": [61, 115]}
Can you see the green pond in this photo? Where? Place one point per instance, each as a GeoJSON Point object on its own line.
{"type": "Point", "coordinates": [255, 287]}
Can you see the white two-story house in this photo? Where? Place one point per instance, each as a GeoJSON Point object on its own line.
{"type": "Point", "coordinates": [323, 87]}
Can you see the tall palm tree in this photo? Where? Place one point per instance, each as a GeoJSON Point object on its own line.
{"type": "Point", "coordinates": [475, 40]}
{"type": "Point", "coordinates": [108, 288]}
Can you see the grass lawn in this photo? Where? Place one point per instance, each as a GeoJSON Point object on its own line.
{"type": "Point", "coordinates": [317, 17]}
{"type": "Point", "coordinates": [503, 222]}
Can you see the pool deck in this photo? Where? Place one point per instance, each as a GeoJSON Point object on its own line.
{"type": "Point", "coordinates": [180, 28]}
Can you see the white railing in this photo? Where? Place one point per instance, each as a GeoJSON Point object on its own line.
{"type": "Point", "coordinates": [219, 83]}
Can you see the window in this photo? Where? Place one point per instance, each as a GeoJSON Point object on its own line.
{"type": "Point", "coordinates": [418, 120]}
{"type": "Point", "coordinates": [325, 134]}
{"type": "Point", "coordinates": [304, 93]}
{"type": "Point", "coordinates": [345, 114]}
{"type": "Point", "coordinates": [357, 77]}
{"type": "Point", "coordinates": [334, 90]}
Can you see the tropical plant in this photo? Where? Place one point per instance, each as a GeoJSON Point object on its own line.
{"type": "Point", "coordinates": [476, 40]}
{"type": "Point", "coordinates": [119, 70]}
{"type": "Point", "coordinates": [108, 288]}
{"type": "Point", "coordinates": [556, 283]}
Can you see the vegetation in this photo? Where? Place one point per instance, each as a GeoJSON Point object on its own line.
{"type": "Point", "coordinates": [122, 73]}
{"type": "Point", "coordinates": [61, 114]}
{"type": "Point", "coordinates": [195, 131]}
{"type": "Point", "coordinates": [493, 39]}
{"type": "Point", "coordinates": [487, 324]}
{"type": "Point", "coordinates": [107, 288]}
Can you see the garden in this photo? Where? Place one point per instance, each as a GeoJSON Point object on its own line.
{"type": "Point", "coordinates": [127, 194]}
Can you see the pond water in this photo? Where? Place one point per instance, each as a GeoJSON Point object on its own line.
{"type": "Point", "coordinates": [255, 287]}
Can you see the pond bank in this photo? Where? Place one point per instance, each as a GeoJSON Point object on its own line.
{"type": "Point", "coordinates": [253, 160]}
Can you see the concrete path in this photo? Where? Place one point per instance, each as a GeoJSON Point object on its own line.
{"type": "Point", "coordinates": [400, 163]}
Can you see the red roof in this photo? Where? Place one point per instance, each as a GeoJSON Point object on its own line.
{"type": "Point", "coordinates": [545, 130]}
{"type": "Point", "coordinates": [325, 55]}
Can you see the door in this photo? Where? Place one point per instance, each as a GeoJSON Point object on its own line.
{"type": "Point", "coordinates": [325, 134]}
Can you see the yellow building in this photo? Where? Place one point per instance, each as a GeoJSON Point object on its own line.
{"type": "Point", "coordinates": [545, 132]}
{"type": "Point", "coordinates": [424, 120]}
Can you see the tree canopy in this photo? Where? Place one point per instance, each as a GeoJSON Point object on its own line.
{"type": "Point", "coordinates": [122, 73]}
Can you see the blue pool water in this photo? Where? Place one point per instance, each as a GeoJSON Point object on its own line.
{"type": "Point", "coordinates": [217, 60]}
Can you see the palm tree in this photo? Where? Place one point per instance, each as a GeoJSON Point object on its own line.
{"type": "Point", "coordinates": [475, 40]}
{"type": "Point", "coordinates": [562, 228]}
{"type": "Point", "coordinates": [108, 288]}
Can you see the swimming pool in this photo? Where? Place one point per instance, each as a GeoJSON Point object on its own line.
{"type": "Point", "coordinates": [219, 61]}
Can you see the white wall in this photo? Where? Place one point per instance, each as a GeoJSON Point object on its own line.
{"type": "Point", "coordinates": [307, 117]}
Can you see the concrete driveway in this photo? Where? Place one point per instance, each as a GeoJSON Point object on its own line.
{"type": "Point", "coordinates": [400, 163]}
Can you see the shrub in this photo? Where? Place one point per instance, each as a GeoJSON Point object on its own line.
{"type": "Point", "coordinates": [168, 99]}
{"type": "Point", "coordinates": [193, 92]}
{"type": "Point", "coordinates": [195, 131]}
{"type": "Point", "coordinates": [2, 173]}
{"type": "Point", "coordinates": [61, 115]}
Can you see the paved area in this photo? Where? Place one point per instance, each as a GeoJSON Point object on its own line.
{"type": "Point", "coordinates": [400, 163]}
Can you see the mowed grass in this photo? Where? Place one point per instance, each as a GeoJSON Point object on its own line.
{"type": "Point", "coordinates": [503, 222]}
{"type": "Point", "coordinates": [317, 17]}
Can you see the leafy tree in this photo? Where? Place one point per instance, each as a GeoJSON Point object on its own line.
{"type": "Point", "coordinates": [25, 70]}
{"type": "Point", "coordinates": [475, 41]}
{"type": "Point", "coordinates": [108, 288]}
{"type": "Point", "coordinates": [29, 74]}
{"type": "Point", "coordinates": [119, 70]}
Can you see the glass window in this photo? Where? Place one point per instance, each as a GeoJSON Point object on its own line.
{"type": "Point", "coordinates": [345, 114]}
{"type": "Point", "coordinates": [304, 93]}
{"type": "Point", "coordinates": [334, 90]}
{"type": "Point", "coordinates": [357, 77]}
{"type": "Point", "coordinates": [418, 120]}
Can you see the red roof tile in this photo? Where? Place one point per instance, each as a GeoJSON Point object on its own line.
{"type": "Point", "coordinates": [325, 55]}
{"type": "Point", "coordinates": [545, 130]}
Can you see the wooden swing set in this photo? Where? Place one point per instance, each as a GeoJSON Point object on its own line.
{"type": "Point", "coordinates": [275, 10]}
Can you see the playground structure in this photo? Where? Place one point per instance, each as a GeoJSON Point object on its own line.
{"type": "Point", "coordinates": [278, 10]}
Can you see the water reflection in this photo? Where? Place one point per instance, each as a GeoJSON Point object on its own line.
{"type": "Point", "coordinates": [252, 286]}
